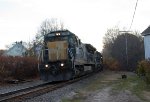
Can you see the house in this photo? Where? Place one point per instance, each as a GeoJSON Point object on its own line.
{"type": "Point", "coordinates": [17, 50]}
{"type": "Point", "coordinates": [146, 34]}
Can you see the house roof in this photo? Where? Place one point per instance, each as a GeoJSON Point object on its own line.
{"type": "Point", "coordinates": [146, 31]}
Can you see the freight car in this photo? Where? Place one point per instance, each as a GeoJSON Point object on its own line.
{"type": "Point", "coordinates": [65, 57]}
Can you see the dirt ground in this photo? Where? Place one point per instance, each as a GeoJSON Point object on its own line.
{"type": "Point", "coordinates": [107, 92]}
{"type": "Point", "coordinates": [108, 95]}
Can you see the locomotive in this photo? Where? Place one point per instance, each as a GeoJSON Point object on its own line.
{"type": "Point", "coordinates": [65, 57]}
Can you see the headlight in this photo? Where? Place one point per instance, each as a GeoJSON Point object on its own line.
{"type": "Point", "coordinates": [62, 64]}
{"type": "Point", "coordinates": [46, 65]}
{"type": "Point", "coordinates": [57, 34]}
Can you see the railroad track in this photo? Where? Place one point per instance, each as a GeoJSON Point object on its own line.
{"type": "Point", "coordinates": [27, 93]}
{"type": "Point", "coordinates": [9, 96]}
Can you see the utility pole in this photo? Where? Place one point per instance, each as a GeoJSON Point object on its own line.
{"type": "Point", "coordinates": [126, 35]}
{"type": "Point", "coordinates": [126, 44]}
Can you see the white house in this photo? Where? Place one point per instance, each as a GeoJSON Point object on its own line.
{"type": "Point", "coordinates": [17, 50]}
{"type": "Point", "coordinates": [146, 34]}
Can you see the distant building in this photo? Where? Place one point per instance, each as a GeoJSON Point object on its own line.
{"type": "Point", "coordinates": [146, 34]}
{"type": "Point", "coordinates": [17, 50]}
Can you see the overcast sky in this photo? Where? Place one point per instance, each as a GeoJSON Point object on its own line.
{"type": "Point", "coordinates": [88, 19]}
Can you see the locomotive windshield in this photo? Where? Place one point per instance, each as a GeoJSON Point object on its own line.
{"type": "Point", "coordinates": [63, 36]}
{"type": "Point", "coordinates": [56, 38]}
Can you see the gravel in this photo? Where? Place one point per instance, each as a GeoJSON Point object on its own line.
{"type": "Point", "coordinates": [64, 92]}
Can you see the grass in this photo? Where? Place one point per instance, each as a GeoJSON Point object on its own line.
{"type": "Point", "coordinates": [134, 84]}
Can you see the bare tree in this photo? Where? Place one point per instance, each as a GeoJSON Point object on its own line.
{"type": "Point", "coordinates": [108, 40]}
{"type": "Point", "coordinates": [47, 26]}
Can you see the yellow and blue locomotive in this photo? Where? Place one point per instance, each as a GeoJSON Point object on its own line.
{"type": "Point", "coordinates": [65, 57]}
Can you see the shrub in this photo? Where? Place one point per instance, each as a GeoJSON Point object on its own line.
{"type": "Point", "coordinates": [144, 70]}
{"type": "Point", "coordinates": [18, 67]}
{"type": "Point", "coordinates": [4, 72]}
{"type": "Point", "coordinates": [111, 64]}
{"type": "Point", "coordinates": [25, 67]}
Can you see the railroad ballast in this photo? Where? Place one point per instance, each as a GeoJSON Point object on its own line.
{"type": "Point", "coordinates": [65, 57]}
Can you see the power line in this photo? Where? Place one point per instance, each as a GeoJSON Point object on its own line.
{"type": "Point", "coordinates": [133, 14]}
